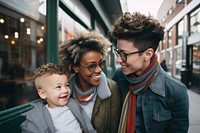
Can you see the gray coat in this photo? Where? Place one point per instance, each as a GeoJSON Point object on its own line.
{"type": "Point", "coordinates": [38, 120]}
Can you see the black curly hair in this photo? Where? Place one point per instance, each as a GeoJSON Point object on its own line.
{"type": "Point", "coordinates": [70, 53]}
{"type": "Point", "coordinates": [144, 31]}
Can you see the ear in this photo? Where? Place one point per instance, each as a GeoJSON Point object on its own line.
{"type": "Point", "coordinates": [41, 93]}
{"type": "Point", "coordinates": [148, 54]}
{"type": "Point", "coordinates": [75, 69]}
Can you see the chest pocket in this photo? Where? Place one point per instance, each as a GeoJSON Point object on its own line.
{"type": "Point", "coordinates": [161, 111]}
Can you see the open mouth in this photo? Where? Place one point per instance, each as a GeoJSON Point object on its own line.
{"type": "Point", "coordinates": [97, 77]}
{"type": "Point", "coordinates": [63, 97]}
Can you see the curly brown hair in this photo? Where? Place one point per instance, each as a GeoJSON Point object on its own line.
{"type": "Point", "coordinates": [70, 53]}
{"type": "Point", "coordinates": [144, 31]}
{"type": "Point", "coordinates": [49, 69]}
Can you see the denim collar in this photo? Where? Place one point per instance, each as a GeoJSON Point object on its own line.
{"type": "Point", "coordinates": [158, 85]}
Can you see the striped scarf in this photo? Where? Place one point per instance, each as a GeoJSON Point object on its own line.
{"type": "Point", "coordinates": [137, 85]}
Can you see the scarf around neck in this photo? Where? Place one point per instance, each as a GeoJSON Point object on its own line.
{"type": "Point", "coordinates": [102, 90]}
{"type": "Point", "coordinates": [137, 85]}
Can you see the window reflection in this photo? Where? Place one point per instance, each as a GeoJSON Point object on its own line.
{"type": "Point", "coordinates": [67, 26]}
{"type": "Point", "coordinates": [169, 61]}
{"type": "Point", "coordinates": [195, 22]}
{"type": "Point", "coordinates": [196, 59]}
{"type": "Point", "coordinates": [22, 49]}
{"type": "Point", "coordinates": [169, 38]}
{"type": "Point", "coordinates": [79, 10]}
{"type": "Point", "coordinates": [178, 61]}
{"type": "Point", "coordinates": [180, 32]}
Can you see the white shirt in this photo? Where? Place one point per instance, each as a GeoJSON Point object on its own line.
{"type": "Point", "coordinates": [64, 121]}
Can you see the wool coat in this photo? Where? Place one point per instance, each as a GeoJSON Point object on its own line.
{"type": "Point", "coordinates": [107, 105]}
{"type": "Point", "coordinates": [106, 112]}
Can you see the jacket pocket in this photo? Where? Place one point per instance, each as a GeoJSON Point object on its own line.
{"type": "Point", "coordinates": [161, 117]}
{"type": "Point", "coordinates": [161, 111]}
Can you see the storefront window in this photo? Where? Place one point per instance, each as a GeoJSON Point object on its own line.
{"type": "Point", "coordinates": [99, 28]}
{"type": "Point", "coordinates": [164, 42]}
{"type": "Point", "coordinates": [196, 59]}
{"type": "Point", "coordinates": [162, 55]}
{"type": "Point", "coordinates": [78, 27]}
{"type": "Point", "coordinates": [180, 32]}
{"type": "Point", "coordinates": [169, 38]}
{"type": "Point", "coordinates": [77, 8]}
{"type": "Point", "coordinates": [22, 49]}
{"type": "Point", "coordinates": [67, 26]}
{"type": "Point", "coordinates": [195, 22]}
{"type": "Point", "coordinates": [178, 61]}
{"type": "Point", "coordinates": [169, 60]}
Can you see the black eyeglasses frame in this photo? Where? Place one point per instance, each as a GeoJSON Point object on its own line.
{"type": "Point", "coordinates": [123, 55]}
{"type": "Point", "coordinates": [95, 65]}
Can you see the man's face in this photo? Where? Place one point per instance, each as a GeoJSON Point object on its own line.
{"type": "Point", "coordinates": [135, 62]}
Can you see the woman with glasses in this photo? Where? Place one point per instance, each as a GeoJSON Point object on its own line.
{"type": "Point", "coordinates": [153, 102]}
{"type": "Point", "coordinates": [84, 58]}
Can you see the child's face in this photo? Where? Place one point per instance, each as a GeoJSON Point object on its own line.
{"type": "Point", "coordinates": [55, 89]}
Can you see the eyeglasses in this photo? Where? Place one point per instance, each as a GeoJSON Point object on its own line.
{"type": "Point", "coordinates": [92, 67]}
{"type": "Point", "coordinates": [124, 55]}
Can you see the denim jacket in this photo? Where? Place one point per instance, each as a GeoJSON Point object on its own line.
{"type": "Point", "coordinates": [165, 105]}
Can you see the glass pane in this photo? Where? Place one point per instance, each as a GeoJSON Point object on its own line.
{"type": "Point", "coordinates": [196, 59]}
{"type": "Point", "coordinates": [79, 10]}
{"type": "Point", "coordinates": [169, 61]}
{"type": "Point", "coordinates": [68, 26]}
{"type": "Point", "coordinates": [22, 49]}
{"type": "Point", "coordinates": [195, 22]}
{"type": "Point", "coordinates": [170, 38]}
{"type": "Point", "coordinates": [178, 61]}
{"type": "Point", "coordinates": [180, 28]}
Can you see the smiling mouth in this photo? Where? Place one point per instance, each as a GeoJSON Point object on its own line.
{"type": "Point", "coordinates": [96, 77]}
{"type": "Point", "coordinates": [63, 97]}
{"type": "Point", "coordinates": [123, 66]}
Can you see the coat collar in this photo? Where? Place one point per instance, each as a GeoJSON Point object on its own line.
{"type": "Point", "coordinates": [103, 90]}
{"type": "Point", "coordinates": [158, 85]}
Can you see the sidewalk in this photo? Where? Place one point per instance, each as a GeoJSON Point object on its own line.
{"type": "Point", "coordinates": [194, 111]}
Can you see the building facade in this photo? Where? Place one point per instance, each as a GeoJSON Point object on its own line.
{"type": "Point", "coordinates": [181, 44]}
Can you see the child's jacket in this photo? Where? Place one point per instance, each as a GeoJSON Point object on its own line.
{"type": "Point", "coordinates": [38, 120]}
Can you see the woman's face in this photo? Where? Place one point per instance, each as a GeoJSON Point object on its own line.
{"type": "Point", "coordinates": [88, 75]}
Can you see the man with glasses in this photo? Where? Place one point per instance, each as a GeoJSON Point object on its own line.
{"type": "Point", "coordinates": [153, 102]}
{"type": "Point", "coordinates": [99, 97]}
